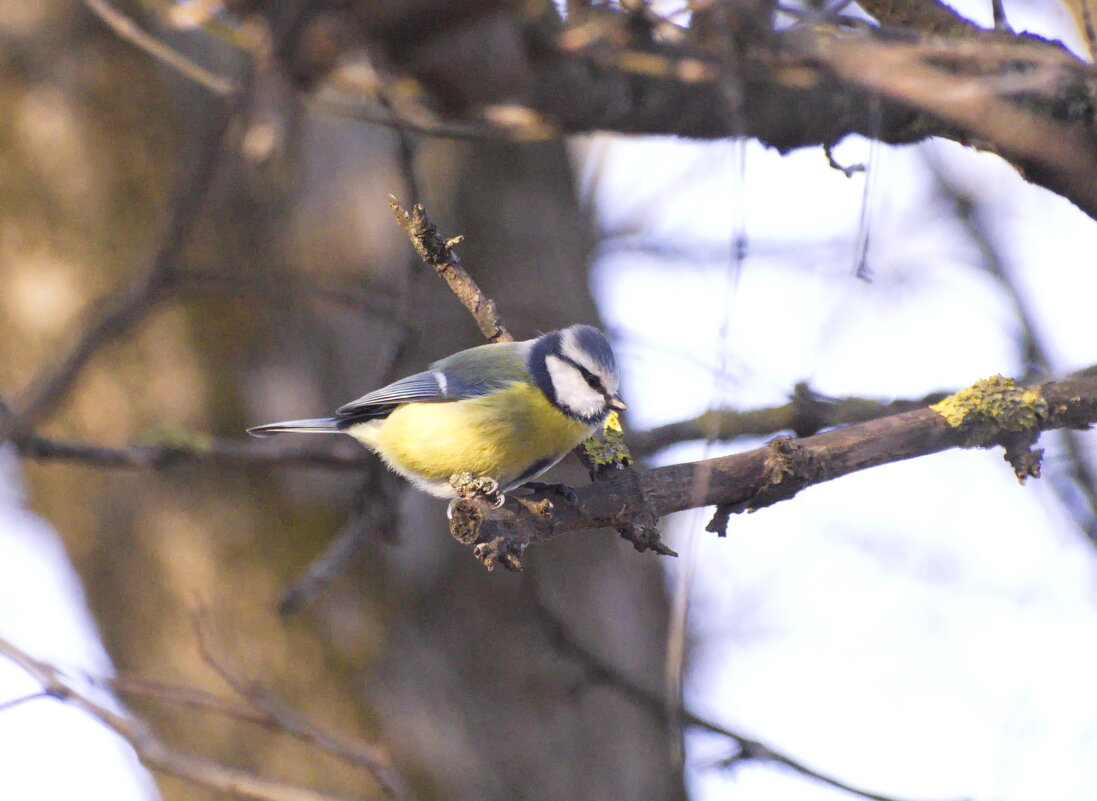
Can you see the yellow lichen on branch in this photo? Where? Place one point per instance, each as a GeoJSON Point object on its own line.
{"type": "Point", "coordinates": [995, 411]}
{"type": "Point", "coordinates": [610, 451]}
{"type": "Point", "coordinates": [991, 406]}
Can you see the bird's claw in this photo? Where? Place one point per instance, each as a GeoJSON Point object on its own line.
{"type": "Point", "coordinates": [466, 485]}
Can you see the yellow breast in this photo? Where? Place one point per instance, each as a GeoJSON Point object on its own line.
{"type": "Point", "coordinates": [499, 435]}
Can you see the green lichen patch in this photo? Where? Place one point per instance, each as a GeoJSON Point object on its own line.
{"type": "Point", "coordinates": [991, 407]}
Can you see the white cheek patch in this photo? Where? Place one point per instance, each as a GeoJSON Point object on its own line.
{"type": "Point", "coordinates": [572, 391]}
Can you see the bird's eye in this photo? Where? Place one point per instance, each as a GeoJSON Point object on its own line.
{"type": "Point", "coordinates": [593, 382]}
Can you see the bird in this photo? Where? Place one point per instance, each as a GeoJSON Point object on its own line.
{"type": "Point", "coordinates": [506, 411]}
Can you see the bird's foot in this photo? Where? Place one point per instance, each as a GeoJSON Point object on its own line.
{"type": "Point", "coordinates": [468, 486]}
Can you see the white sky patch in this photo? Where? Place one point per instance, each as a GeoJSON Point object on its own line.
{"type": "Point", "coordinates": [52, 751]}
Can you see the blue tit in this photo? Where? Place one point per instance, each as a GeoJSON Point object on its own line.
{"type": "Point", "coordinates": [507, 411]}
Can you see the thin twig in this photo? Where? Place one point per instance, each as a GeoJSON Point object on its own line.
{"type": "Point", "coordinates": [127, 29]}
{"type": "Point", "coordinates": [249, 712]}
{"type": "Point", "coordinates": [14, 702]}
{"type": "Point", "coordinates": [805, 414]}
{"type": "Point", "coordinates": [371, 515]}
{"type": "Point", "coordinates": [374, 759]}
{"type": "Point", "coordinates": [336, 456]}
{"type": "Point", "coordinates": [139, 687]}
{"type": "Point", "coordinates": [438, 253]}
{"type": "Point", "coordinates": [601, 671]}
{"type": "Point", "coordinates": [460, 132]}
{"type": "Point", "coordinates": [153, 753]}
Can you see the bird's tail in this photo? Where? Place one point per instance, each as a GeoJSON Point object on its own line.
{"type": "Point", "coordinates": [320, 425]}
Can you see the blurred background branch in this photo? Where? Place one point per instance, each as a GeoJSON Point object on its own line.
{"type": "Point", "coordinates": [158, 756]}
{"type": "Point", "coordinates": [536, 74]}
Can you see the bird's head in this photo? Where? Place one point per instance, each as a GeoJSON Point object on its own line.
{"type": "Point", "coordinates": [576, 370]}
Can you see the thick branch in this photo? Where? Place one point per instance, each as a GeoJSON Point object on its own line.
{"type": "Point", "coordinates": [1018, 95]}
{"type": "Point", "coordinates": [776, 472]}
{"type": "Point", "coordinates": [1058, 155]}
{"type": "Point", "coordinates": [520, 71]}
{"type": "Point", "coordinates": [928, 16]}
{"type": "Point", "coordinates": [805, 414]}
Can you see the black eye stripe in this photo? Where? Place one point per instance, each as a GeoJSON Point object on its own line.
{"type": "Point", "coordinates": [593, 381]}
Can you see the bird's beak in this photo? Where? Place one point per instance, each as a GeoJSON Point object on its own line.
{"type": "Point", "coordinates": [616, 403]}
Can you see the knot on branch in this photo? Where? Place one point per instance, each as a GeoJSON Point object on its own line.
{"type": "Point", "coordinates": [641, 528]}
{"type": "Point", "coordinates": [789, 466]}
{"type": "Point", "coordinates": [500, 550]}
{"type": "Point", "coordinates": [645, 536]}
{"type": "Point", "coordinates": [492, 542]}
{"type": "Point", "coordinates": [995, 411]}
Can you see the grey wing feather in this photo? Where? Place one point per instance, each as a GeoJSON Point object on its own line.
{"type": "Point", "coordinates": [468, 374]}
{"type": "Point", "coordinates": [421, 387]}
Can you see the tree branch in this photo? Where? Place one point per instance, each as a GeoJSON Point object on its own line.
{"type": "Point", "coordinates": [126, 29]}
{"type": "Point", "coordinates": [1036, 352]}
{"type": "Point", "coordinates": [438, 253]}
{"type": "Point", "coordinates": [991, 412]}
{"type": "Point", "coordinates": [151, 751]}
{"type": "Point", "coordinates": [522, 72]}
{"type": "Point", "coordinates": [1025, 98]}
{"type": "Point", "coordinates": [806, 413]}
{"type": "Point", "coordinates": [336, 456]}
{"type": "Point", "coordinates": [1058, 155]}
{"type": "Point", "coordinates": [373, 758]}
{"type": "Point", "coordinates": [601, 671]}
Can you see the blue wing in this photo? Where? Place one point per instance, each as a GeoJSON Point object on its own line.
{"type": "Point", "coordinates": [431, 386]}
{"type": "Point", "coordinates": [468, 374]}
